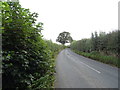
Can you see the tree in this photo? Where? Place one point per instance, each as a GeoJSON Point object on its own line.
{"type": "Point", "coordinates": [64, 37]}
{"type": "Point", "coordinates": [102, 41]}
{"type": "Point", "coordinates": [95, 41]}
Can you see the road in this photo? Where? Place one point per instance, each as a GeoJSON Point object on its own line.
{"type": "Point", "coordinates": [75, 71]}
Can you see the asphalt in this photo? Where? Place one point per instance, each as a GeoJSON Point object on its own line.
{"type": "Point", "coordinates": [76, 71]}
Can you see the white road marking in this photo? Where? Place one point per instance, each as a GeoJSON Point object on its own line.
{"type": "Point", "coordinates": [91, 67]}
{"type": "Point", "coordinates": [88, 66]}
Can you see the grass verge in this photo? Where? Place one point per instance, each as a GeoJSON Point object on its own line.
{"type": "Point", "coordinates": [99, 57]}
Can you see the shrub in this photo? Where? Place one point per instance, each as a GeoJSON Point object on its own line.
{"type": "Point", "coordinates": [27, 60]}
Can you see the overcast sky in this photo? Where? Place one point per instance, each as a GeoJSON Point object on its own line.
{"type": "Point", "coordinates": [79, 17]}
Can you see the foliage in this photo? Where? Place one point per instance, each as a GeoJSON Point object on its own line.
{"type": "Point", "coordinates": [54, 48]}
{"type": "Point", "coordinates": [82, 45]}
{"type": "Point", "coordinates": [100, 57]}
{"type": "Point", "coordinates": [64, 37]}
{"type": "Point", "coordinates": [105, 45]}
{"type": "Point", "coordinates": [27, 59]}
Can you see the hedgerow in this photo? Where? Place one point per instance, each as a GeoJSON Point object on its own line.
{"type": "Point", "coordinates": [27, 61]}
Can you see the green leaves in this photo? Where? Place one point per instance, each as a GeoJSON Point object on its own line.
{"type": "Point", "coordinates": [26, 56]}
{"type": "Point", "coordinates": [103, 47]}
{"type": "Point", "coordinates": [107, 43]}
{"type": "Point", "coordinates": [5, 6]}
{"type": "Point", "coordinates": [64, 37]}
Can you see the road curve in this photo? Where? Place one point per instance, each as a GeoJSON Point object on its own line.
{"type": "Point", "coordinates": [75, 71]}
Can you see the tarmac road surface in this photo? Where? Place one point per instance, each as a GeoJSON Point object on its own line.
{"type": "Point", "coordinates": [76, 71]}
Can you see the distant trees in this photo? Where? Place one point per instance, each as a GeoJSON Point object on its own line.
{"type": "Point", "coordinates": [82, 45]}
{"type": "Point", "coordinates": [118, 41]}
{"type": "Point", "coordinates": [102, 42]}
{"type": "Point", "coordinates": [64, 37]}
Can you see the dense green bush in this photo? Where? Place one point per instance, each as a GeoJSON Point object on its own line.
{"type": "Point", "coordinates": [27, 59]}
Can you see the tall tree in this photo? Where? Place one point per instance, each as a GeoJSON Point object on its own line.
{"type": "Point", "coordinates": [64, 37]}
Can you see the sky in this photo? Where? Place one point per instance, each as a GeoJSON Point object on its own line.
{"type": "Point", "coordinates": [79, 17]}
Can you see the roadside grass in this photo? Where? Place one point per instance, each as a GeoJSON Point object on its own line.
{"type": "Point", "coordinates": [99, 57]}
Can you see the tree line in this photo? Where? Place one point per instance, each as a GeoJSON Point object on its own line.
{"type": "Point", "coordinates": [27, 59]}
{"type": "Point", "coordinates": [103, 47]}
{"type": "Point", "coordinates": [108, 43]}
